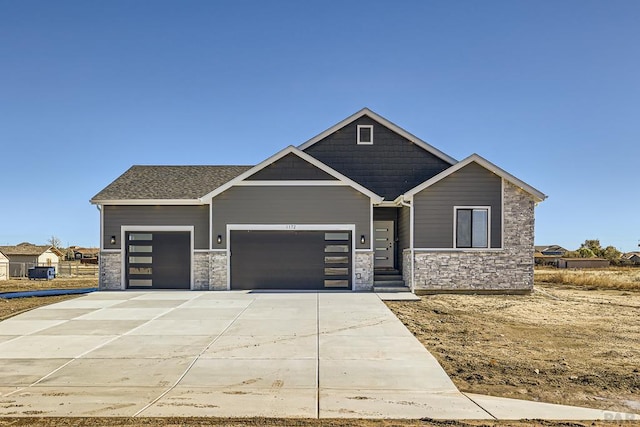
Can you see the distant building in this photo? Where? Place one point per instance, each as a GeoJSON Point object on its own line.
{"type": "Point", "coordinates": [548, 255]}
{"type": "Point", "coordinates": [4, 267]}
{"type": "Point", "coordinates": [583, 263]}
{"type": "Point", "coordinates": [26, 255]}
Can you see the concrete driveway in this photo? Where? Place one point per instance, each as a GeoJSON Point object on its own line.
{"type": "Point", "coordinates": [232, 354]}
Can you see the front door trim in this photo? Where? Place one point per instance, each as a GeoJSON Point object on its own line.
{"type": "Point", "coordinates": [293, 227]}
{"type": "Point", "coordinates": [126, 228]}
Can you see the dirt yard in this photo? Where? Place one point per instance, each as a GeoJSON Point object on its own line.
{"type": "Point", "coordinates": [11, 307]}
{"type": "Point", "coordinates": [564, 343]}
{"type": "Point", "coordinates": [575, 345]}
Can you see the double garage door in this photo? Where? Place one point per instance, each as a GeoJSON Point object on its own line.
{"type": "Point", "coordinates": [290, 259]}
{"type": "Point", "coordinates": [304, 260]}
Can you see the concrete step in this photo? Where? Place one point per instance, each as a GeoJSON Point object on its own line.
{"type": "Point", "coordinates": [388, 277]}
{"type": "Point", "coordinates": [388, 282]}
{"type": "Point", "coordinates": [390, 288]}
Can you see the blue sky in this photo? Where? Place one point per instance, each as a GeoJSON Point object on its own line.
{"type": "Point", "coordinates": [548, 90]}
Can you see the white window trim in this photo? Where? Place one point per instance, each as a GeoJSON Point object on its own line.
{"type": "Point", "coordinates": [293, 227]}
{"type": "Point", "coordinates": [152, 228]}
{"type": "Point", "coordinates": [370, 127]}
{"type": "Point", "coordinates": [455, 226]}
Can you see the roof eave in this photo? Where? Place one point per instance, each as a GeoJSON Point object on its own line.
{"type": "Point", "coordinates": [138, 202]}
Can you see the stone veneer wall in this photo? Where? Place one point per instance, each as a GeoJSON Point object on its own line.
{"type": "Point", "coordinates": [218, 271]}
{"type": "Point", "coordinates": [406, 268]}
{"type": "Point", "coordinates": [363, 266]}
{"type": "Point", "coordinates": [201, 271]}
{"type": "Point", "coordinates": [110, 271]}
{"type": "Point", "coordinates": [509, 269]}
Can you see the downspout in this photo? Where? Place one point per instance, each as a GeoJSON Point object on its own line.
{"type": "Point", "coordinates": [404, 203]}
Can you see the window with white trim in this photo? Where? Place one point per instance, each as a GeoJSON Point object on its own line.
{"type": "Point", "coordinates": [472, 227]}
{"type": "Point", "coordinates": [365, 134]}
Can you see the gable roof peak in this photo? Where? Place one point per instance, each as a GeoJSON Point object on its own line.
{"type": "Point", "coordinates": [388, 124]}
{"type": "Point", "coordinates": [476, 158]}
{"type": "Point", "coordinates": [304, 156]}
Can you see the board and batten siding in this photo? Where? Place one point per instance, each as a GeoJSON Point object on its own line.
{"type": "Point", "coordinates": [472, 185]}
{"type": "Point", "coordinates": [117, 216]}
{"type": "Point", "coordinates": [291, 205]}
{"type": "Point", "coordinates": [389, 167]}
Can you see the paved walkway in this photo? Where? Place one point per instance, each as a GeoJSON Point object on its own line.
{"type": "Point", "coordinates": [232, 354]}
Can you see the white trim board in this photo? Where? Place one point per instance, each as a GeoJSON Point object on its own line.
{"type": "Point", "coordinates": [392, 126]}
{"type": "Point", "coordinates": [292, 183]}
{"type": "Point", "coordinates": [151, 228]}
{"type": "Point", "coordinates": [304, 156]}
{"type": "Point", "coordinates": [293, 227]}
{"type": "Point", "coordinates": [538, 195]}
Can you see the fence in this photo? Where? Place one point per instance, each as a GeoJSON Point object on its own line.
{"type": "Point", "coordinates": [75, 268]}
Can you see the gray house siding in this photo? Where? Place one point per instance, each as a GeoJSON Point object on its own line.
{"type": "Point", "coordinates": [472, 185]}
{"type": "Point", "coordinates": [404, 225]}
{"type": "Point", "coordinates": [389, 167]}
{"type": "Point", "coordinates": [291, 205]}
{"type": "Point", "coordinates": [290, 167]}
{"type": "Point", "coordinates": [117, 216]}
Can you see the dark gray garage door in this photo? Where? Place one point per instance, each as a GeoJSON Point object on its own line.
{"type": "Point", "coordinates": [290, 260]}
{"type": "Point", "coordinates": [158, 260]}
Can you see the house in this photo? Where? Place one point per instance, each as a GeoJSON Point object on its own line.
{"type": "Point", "coordinates": [548, 254]}
{"type": "Point", "coordinates": [26, 255]}
{"type": "Point", "coordinates": [583, 263]}
{"type": "Point", "coordinates": [4, 267]}
{"type": "Point", "coordinates": [83, 254]}
{"type": "Point", "coordinates": [361, 202]}
{"type": "Point", "coordinates": [551, 250]}
{"type": "Point", "coordinates": [633, 257]}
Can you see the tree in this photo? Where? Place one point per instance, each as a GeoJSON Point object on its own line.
{"type": "Point", "coordinates": [594, 246]}
{"type": "Point", "coordinates": [586, 252]}
{"type": "Point", "coordinates": [54, 241]}
{"type": "Point", "coordinates": [611, 253]}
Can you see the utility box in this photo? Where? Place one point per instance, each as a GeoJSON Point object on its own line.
{"type": "Point", "coordinates": [47, 273]}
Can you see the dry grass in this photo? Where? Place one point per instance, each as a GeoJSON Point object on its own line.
{"type": "Point", "coordinates": [620, 278]}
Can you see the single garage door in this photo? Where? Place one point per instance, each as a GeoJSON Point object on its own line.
{"type": "Point", "coordinates": [290, 259]}
{"type": "Point", "coordinates": [158, 260]}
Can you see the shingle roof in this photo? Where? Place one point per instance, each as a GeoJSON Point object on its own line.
{"type": "Point", "coordinates": [168, 182]}
{"type": "Point", "coordinates": [24, 249]}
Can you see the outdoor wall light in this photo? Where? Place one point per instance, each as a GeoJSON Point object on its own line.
{"type": "Point", "coordinates": [362, 239]}
{"type": "Point", "coordinates": [219, 239]}
{"type": "Point", "coordinates": [113, 240]}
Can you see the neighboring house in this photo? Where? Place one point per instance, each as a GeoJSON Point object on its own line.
{"type": "Point", "coordinates": [26, 255]}
{"type": "Point", "coordinates": [4, 267]}
{"type": "Point", "coordinates": [80, 253]}
{"type": "Point", "coordinates": [633, 257]}
{"type": "Point", "coordinates": [551, 250]}
{"type": "Point", "coordinates": [362, 201]}
{"type": "Point", "coordinates": [583, 263]}
{"type": "Point", "coordinates": [548, 255]}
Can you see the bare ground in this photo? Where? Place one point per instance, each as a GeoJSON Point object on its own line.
{"type": "Point", "coordinates": [12, 307]}
{"type": "Point", "coordinates": [563, 344]}
{"type": "Point", "coordinates": [559, 345]}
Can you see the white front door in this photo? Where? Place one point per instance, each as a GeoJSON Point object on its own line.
{"type": "Point", "coordinates": [384, 244]}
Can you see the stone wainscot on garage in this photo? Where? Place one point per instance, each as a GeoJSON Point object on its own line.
{"type": "Point", "coordinates": [362, 205]}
